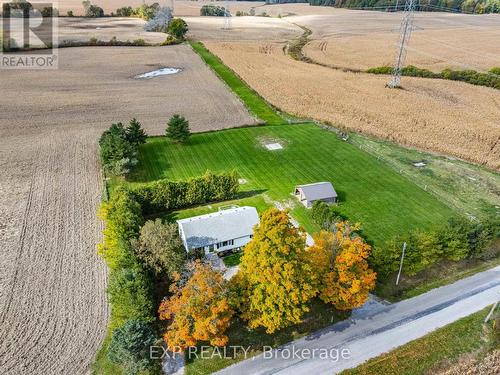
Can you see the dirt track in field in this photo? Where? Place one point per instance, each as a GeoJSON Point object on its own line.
{"type": "Point", "coordinates": [53, 309]}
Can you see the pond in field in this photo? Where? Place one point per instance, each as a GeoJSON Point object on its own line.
{"type": "Point", "coordinates": [158, 72]}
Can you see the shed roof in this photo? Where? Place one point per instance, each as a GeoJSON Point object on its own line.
{"type": "Point", "coordinates": [318, 190]}
{"type": "Point", "coordinates": [225, 225]}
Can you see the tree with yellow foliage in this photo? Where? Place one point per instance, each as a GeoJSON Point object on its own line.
{"type": "Point", "coordinates": [275, 280]}
{"type": "Point", "coordinates": [199, 310]}
{"type": "Point", "coordinates": [340, 260]}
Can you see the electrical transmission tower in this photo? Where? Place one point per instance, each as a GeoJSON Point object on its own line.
{"type": "Point", "coordinates": [404, 37]}
{"type": "Point", "coordinates": [227, 16]}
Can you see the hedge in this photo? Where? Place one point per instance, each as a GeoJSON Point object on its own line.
{"type": "Point", "coordinates": [130, 285]}
{"type": "Point", "coordinates": [165, 195]}
{"type": "Point", "coordinates": [489, 79]}
{"type": "Point", "coordinates": [460, 238]}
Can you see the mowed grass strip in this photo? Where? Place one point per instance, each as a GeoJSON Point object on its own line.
{"type": "Point", "coordinates": [254, 102]}
{"type": "Point", "coordinates": [383, 201]}
{"type": "Point", "coordinates": [422, 355]}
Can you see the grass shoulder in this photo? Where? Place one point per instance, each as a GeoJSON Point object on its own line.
{"type": "Point", "coordinates": [433, 352]}
{"type": "Point", "coordinates": [254, 102]}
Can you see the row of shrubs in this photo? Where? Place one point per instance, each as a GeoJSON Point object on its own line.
{"type": "Point", "coordinates": [489, 79]}
{"type": "Point", "coordinates": [165, 195]}
{"type": "Point", "coordinates": [458, 239]}
{"type": "Point", "coordinates": [129, 286]}
{"type": "Point", "coordinates": [132, 271]}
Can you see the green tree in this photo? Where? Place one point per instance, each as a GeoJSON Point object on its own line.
{"type": "Point", "coordinates": [92, 10]}
{"type": "Point", "coordinates": [118, 155]}
{"type": "Point", "coordinates": [178, 28]}
{"type": "Point", "coordinates": [130, 294]}
{"type": "Point", "coordinates": [276, 280]}
{"type": "Point", "coordinates": [178, 129]}
{"type": "Point", "coordinates": [160, 248]}
{"type": "Point", "coordinates": [135, 134]}
{"type": "Point", "coordinates": [129, 346]}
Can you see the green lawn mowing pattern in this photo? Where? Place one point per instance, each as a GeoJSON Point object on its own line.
{"type": "Point", "coordinates": [371, 193]}
{"type": "Point", "coordinates": [254, 102]}
{"type": "Point", "coordinates": [419, 356]}
{"type": "Point", "coordinates": [320, 316]}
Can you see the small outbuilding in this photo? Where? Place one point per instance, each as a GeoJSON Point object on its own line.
{"type": "Point", "coordinates": [319, 191]}
{"type": "Point", "coordinates": [220, 231]}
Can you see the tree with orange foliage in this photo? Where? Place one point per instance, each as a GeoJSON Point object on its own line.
{"type": "Point", "coordinates": [340, 258]}
{"type": "Point", "coordinates": [199, 309]}
{"type": "Point", "coordinates": [275, 281]}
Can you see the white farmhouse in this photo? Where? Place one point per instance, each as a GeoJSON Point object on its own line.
{"type": "Point", "coordinates": [219, 231]}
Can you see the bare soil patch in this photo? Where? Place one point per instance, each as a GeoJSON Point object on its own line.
{"type": "Point", "coordinates": [181, 8]}
{"type": "Point", "coordinates": [79, 29]}
{"type": "Point", "coordinates": [442, 116]}
{"type": "Point", "coordinates": [242, 28]}
{"type": "Point", "coordinates": [53, 309]}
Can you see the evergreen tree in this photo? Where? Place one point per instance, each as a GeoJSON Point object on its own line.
{"type": "Point", "coordinates": [130, 344]}
{"type": "Point", "coordinates": [135, 133]}
{"type": "Point", "coordinates": [178, 129]}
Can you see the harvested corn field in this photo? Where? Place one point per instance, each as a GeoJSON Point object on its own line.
{"type": "Point", "coordinates": [53, 309]}
{"type": "Point", "coordinates": [442, 116]}
{"type": "Point", "coordinates": [363, 40]}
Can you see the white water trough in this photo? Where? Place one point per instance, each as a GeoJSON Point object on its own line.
{"type": "Point", "coordinates": [158, 72]}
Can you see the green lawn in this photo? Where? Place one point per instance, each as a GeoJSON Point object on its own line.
{"type": "Point", "coordinates": [370, 192]}
{"type": "Point", "coordinates": [232, 260]}
{"type": "Point", "coordinates": [420, 356]}
{"type": "Point", "coordinates": [255, 103]}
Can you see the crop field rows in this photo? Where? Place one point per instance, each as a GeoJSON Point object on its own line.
{"type": "Point", "coordinates": [370, 192]}
{"type": "Point", "coordinates": [446, 117]}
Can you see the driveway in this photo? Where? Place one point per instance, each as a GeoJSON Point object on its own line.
{"type": "Point", "coordinates": [376, 329]}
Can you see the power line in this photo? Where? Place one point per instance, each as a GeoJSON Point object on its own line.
{"type": "Point", "coordinates": [404, 37]}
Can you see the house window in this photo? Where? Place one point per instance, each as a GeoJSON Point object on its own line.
{"type": "Point", "coordinates": [225, 243]}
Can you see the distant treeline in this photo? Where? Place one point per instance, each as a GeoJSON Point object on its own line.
{"type": "Point", "coordinates": [466, 6]}
{"type": "Point", "coordinates": [488, 79]}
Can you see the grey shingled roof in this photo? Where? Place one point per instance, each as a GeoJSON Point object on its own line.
{"type": "Point", "coordinates": [318, 190]}
{"type": "Point", "coordinates": [219, 226]}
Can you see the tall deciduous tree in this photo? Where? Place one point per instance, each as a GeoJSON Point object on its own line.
{"type": "Point", "coordinates": [178, 129]}
{"type": "Point", "coordinates": [199, 309]}
{"type": "Point", "coordinates": [275, 278]}
{"type": "Point", "coordinates": [160, 248]}
{"type": "Point", "coordinates": [178, 28]}
{"type": "Point", "coordinates": [340, 260]}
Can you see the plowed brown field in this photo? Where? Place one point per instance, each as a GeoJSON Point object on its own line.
{"type": "Point", "coordinates": [53, 309]}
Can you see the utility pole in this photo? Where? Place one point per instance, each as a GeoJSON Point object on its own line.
{"type": "Point", "coordinates": [404, 37]}
{"type": "Point", "coordinates": [227, 16]}
{"type": "Point", "coordinates": [401, 263]}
